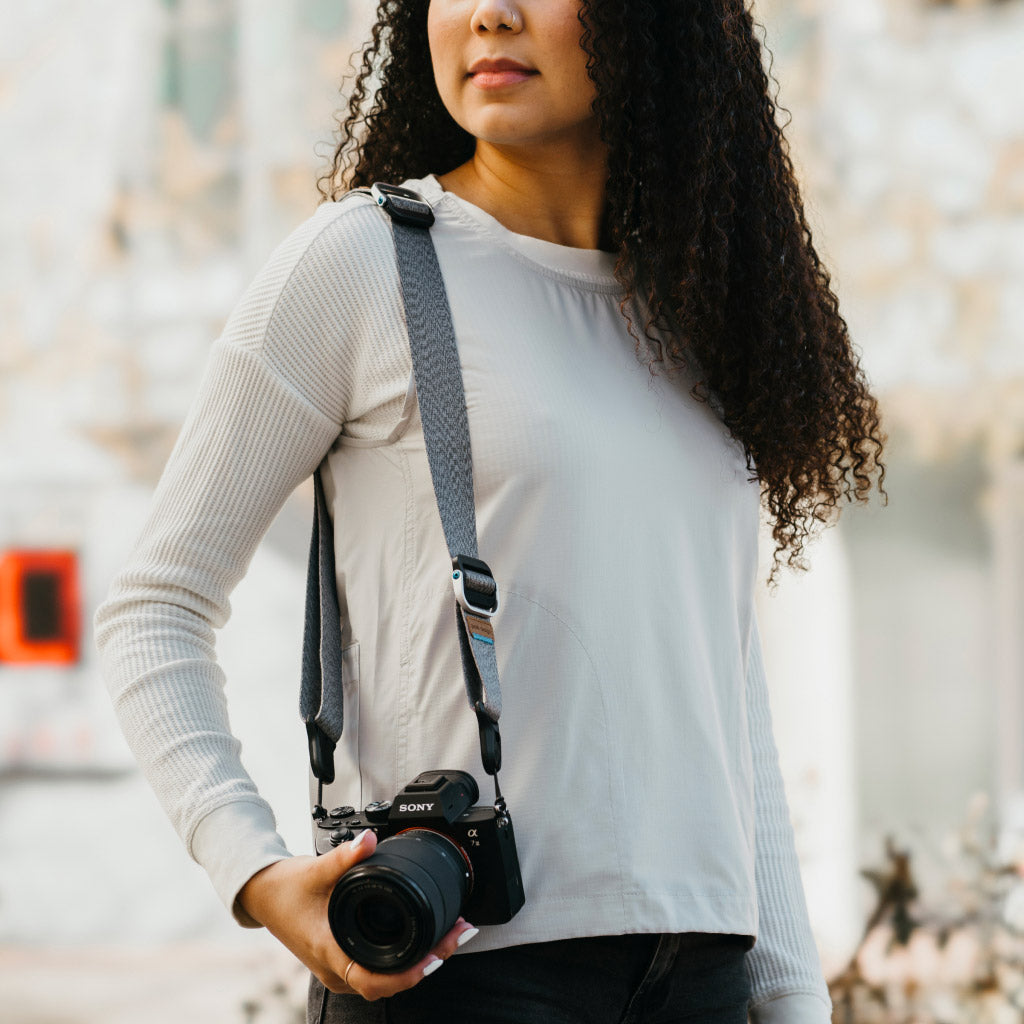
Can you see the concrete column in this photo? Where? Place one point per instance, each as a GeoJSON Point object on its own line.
{"type": "Point", "coordinates": [270, 118]}
{"type": "Point", "coordinates": [806, 632]}
{"type": "Point", "coordinates": [1007, 522]}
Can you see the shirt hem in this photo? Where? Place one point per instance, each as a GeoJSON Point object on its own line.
{"type": "Point", "coordinates": [621, 913]}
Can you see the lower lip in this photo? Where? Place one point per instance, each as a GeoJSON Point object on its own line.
{"type": "Point", "coordinates": [499, 79]}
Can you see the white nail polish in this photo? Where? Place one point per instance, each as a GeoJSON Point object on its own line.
{"type": "Point", "coordinates": [466, 936]}
{"type": "Point", "coordinates": [431, 967]}
{"type": "Point", "coordinates": [360, 839]}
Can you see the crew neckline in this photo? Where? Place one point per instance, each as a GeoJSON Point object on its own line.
{"type": "Point", "coordinates": [590, 265]}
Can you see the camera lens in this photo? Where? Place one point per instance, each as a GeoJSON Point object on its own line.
{"type": "Point", "coordinates": [380, 919]}
{"type": "Point", "coordinates": [391, 909]}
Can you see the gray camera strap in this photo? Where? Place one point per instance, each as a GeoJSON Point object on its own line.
{"type": "Point", "coordinates": [442, 403]}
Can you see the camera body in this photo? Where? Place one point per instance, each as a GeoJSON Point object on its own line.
{"type": "Point", "coordinates": [438, 856]}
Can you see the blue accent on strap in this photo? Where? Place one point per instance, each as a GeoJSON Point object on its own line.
{"type": "Point", "coordinates": [480, 636]}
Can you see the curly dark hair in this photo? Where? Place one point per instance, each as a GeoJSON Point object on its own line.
{"type": "Point", "coordinates": [703, 207]}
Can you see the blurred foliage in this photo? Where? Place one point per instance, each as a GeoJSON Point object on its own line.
{"type": "Point", "coordinates": [954, 958]}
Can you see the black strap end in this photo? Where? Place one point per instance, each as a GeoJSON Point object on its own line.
{"type": "Point", "coordinates": [321, 753]}
{"type": "Point", "coordinates": [490, 742]}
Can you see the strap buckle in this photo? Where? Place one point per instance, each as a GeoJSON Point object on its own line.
{"type": "Point", "coordinates": [402, 204]}
{"type": "Point", "coordinates": [472, 599]}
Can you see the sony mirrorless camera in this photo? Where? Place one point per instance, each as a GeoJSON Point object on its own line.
{"type": "Point", "coordinates": [439, 857]}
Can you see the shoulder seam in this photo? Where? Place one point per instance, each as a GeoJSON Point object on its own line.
{"type": "Point", "coordinates": [309, 245]}
{"type": "Point", "coordinates": [284, 382]}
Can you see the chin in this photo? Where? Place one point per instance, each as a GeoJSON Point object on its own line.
{"type": "Point", "coordinates": [509, 130]}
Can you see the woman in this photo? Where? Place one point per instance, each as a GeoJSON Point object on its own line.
{"type": "Point", "coordinates": [611, 192]}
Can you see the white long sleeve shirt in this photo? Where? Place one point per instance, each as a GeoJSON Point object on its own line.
{"type": "Point", "coordinates": [620, 521]}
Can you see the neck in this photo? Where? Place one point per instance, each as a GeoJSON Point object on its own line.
{"type": "Point", "coordinates": [558, 197]}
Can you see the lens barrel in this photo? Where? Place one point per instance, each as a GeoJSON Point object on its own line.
{"type": "Point", "coordinates": [391, 909]}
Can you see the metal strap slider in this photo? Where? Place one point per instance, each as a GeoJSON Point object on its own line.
{"type": "Point", "coordinates": [475, 587]}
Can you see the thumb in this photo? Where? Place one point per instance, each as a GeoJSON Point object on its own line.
{"type": "Point", "coordinates": [346, 855]}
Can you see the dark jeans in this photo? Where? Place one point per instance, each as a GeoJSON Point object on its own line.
{"type": "Point", "coordinates": [619, 979]}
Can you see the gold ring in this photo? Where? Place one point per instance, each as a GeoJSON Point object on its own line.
{"type": "Point", "coordinates": [351, 964]}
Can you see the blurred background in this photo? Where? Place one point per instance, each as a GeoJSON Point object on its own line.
{"type": "Point", "coordinates": [153, 154]}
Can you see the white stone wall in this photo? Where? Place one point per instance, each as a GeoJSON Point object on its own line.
{"type": "Point", "coordinates": [920, 127]}
{"type": "Point", "coordinates": [136, 225]}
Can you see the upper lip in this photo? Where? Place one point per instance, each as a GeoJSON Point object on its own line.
{"type": "Point", "coordinates": [497, 64]}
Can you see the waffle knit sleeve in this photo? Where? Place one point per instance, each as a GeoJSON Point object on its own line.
{"type": "Point", "coordinates": [785, 974]}
{"type": "Point", "coordinates": [276, 392]}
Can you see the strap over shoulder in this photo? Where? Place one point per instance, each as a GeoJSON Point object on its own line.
{"type": "Point", "coordinates": [442, 401]}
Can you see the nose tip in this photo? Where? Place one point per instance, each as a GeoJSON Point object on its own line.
{"type": "Point", "coordinates": [492, 17]}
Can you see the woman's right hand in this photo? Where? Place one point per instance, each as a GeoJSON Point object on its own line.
{"type": "Point", "coordinates": [290, 897]}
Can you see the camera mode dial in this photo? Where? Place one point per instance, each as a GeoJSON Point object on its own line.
{"type": "Point", "coordinates": [377, 812]}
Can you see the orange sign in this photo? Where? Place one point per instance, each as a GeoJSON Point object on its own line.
{"type": "Point", "coordinates": [39, 607]}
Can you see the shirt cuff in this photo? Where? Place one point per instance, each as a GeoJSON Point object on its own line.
{"type": "Point", "coordinates": [799, 1008]}
{"type": "Point", "coordinates": [231, 844]}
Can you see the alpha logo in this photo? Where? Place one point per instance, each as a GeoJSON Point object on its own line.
{"type": "Point", "coordinates": [410, 808]}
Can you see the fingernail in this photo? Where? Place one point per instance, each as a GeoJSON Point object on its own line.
{"type": "Point", "coordinates": [466, 936]}
{"type": "Point", "coordinates": [432, 966]}
{"type": "Point", "coordinates": [360, 839]}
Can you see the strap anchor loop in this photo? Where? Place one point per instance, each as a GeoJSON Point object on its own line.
{"type": "Point", "coordinates": [402, 204]}
{"type": "Point", "coordinates": [490, 741]}
{"type": "Point", "coordinates": [321, 753]}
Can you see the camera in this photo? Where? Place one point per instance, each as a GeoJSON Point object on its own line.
{"type": "Point", "coordinates": [439, 857]}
